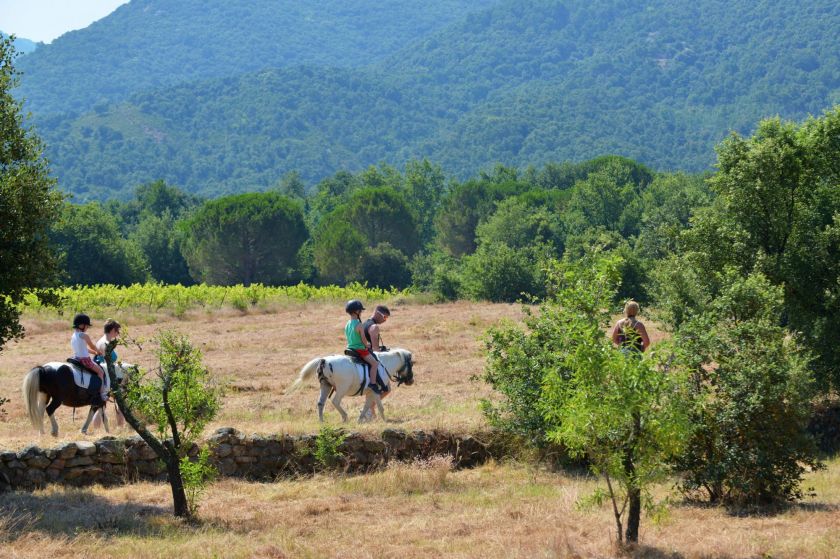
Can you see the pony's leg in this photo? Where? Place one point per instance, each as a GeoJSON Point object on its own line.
{"type": "Point", "coordinates": [363, 415]}
{"type": "Point", "coordinates": [337, 403]}
{"type": "Point", "coordinates": [380, 407]}
{"type": "Point", "coordinates": [322, 400]}
{"type": "Point", "coordinates": [91, 413]}
{"type": "Point", "coordinates": [53, 405]}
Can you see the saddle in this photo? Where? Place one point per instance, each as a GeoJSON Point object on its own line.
{"type": "Point", "coordinates": [357, 360]}
{"type": "Point", "coordinates": [355, 357]}
{"type": "Point", "coordinates": [94, 388]}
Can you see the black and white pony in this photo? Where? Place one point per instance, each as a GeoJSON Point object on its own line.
{"type": "Point", "coordinates": [339, 374]}
{"type": "Point", "coordinates": [49, 386]}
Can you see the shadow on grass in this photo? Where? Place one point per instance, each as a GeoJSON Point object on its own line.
{"type": "Point", "coordinates": [71, 512]}
{"type": "Point", "coordinates": [769, 511]}
{"type": "Point", "coordinates": [649, 552]}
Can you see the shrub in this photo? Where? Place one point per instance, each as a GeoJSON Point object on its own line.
{"type": "Point", "coordinates": [196, 475]}
{"type": "Point", "coordinates": [385, 266]}
{"type": "Point", "coordinates": [752, 395]}
{"type": "Point", "coordinates": [496, 272]}
{"type": "Point", "coordinates": [327, 444]}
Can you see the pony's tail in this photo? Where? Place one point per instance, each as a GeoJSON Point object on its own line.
{"type": "Point", "coordinates": [305, 373]}
{"type": "Point", "coordinates": [32, 398]}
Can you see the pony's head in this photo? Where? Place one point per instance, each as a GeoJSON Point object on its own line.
{"type": "Point", "coordinates": [405, 373]}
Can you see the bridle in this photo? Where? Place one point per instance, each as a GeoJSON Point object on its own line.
{"type": "Point", "coordinates": [404, 374]}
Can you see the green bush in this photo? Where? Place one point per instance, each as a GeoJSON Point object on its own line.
{"type": "Point", "coordinates": [751, 399]}
{"type": "Point", "coordinates": [327, 444]}
{"type": "Point", "coordinates": [496, 272]}
{"type": "Point", "coordinates": [385, 266]}
{"type": "Point", "coordinates": [196, 475]}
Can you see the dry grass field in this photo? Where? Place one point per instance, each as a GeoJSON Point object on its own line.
{"type": "Point", "coordinates": [407, 511]}
{"type": "Point", "coordinates": [258, 355]}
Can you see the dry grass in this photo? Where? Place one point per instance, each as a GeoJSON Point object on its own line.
{"type": "Point", "coordinates": [407, 511]}
{"type": "Point", "coordinates": [258, 355]}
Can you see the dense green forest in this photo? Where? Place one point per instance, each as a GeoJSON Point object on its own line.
{"type": "Point", "coordinates": [769, 215]}
{"type": "Point", "coordinates": [149, 44]}
{"type": "Point", "coordinates": [523, 82]}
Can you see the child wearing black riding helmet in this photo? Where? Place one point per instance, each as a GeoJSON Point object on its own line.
{"type": "Point", "coordinates": [355, 334]}
{"type": "Point", "coordinates": [80, 343]}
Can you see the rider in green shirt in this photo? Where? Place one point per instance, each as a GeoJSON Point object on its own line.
{"type": "Point", "coordinates": [355, 340]}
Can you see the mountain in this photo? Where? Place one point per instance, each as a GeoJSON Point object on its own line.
{"type": "Point", "coordinates": [149, 44]}
{"type": "Point", "coordinates": [521, 82]}
{"type": "Point", "coordinates": [23, 46]}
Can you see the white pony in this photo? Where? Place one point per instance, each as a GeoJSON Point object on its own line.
{"type": "Point", "coordinates": [339, 374]}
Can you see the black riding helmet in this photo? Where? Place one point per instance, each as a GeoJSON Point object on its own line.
{"type": "Point", "coordinates": [353, 305]}
{"type": "Point", "coordinates": [80, 319]}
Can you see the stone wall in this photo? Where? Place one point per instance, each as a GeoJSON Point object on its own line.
{"type": "Point", "coordinates": [111, 461]}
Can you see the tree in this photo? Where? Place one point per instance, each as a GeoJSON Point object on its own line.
{"type": "Point", "coordinates": [564, 382]}
{"type": "Point", "coordinates": [385, 266]}
{"type": "Point", "coordinates": [751, 398]}
{"type": "Point", "coordinates": [338, 249]}
{"type": "Point", "coordinates": [157, 238]}
{"type": "Point", "coordinates": [329, 194]}
{"type": "Point", "coordinates": [158, 198]}
{"type": "Point", "coordinates": [247, 238]}
{"type": "Point", "coordinates": [29, 204]}
{"type": "Point", "coordinates": [776, 213]}
{"type": "Point", "coordinates": [497, 272]}
{"type": "Point", "coordinates": [382, 215]}
{"type": "Point", "coordinates": [463, 208]}
{"type": "Point", "coordinates": [170, 407]}
{"type": "Point", "coordinates": [291, 185]}
{"type": "Point", "coordinates": [425, 186]}
{"type": "Point", "coordinates": [93, 250]}
{"type": "Point", "coordinates": [625, 413]}
{"type": "Point", "coordinates": [517, 223]}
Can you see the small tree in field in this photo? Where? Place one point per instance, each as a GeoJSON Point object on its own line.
{"type": "Point", "coordinates": [626, 414]}
{"type": "Point", "coordinates": [170, 407]}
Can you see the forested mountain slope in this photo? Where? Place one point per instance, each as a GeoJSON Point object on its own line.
{"type": "Point", "coordinates": [148, 44]}
{"type": "Point", "coordinates": [522, 82]}
{"type": "Point", "coordinates": [23, 46]}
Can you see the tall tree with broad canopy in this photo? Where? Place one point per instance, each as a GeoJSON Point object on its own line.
{"type": "Point", "coordinates": [247, 238]}
{"type": "Point", "coordinates": [382, 215]}
{"type": "Point", "coordinates": [92, 249]}
{"type": "Point", "coordinates": [29, 204]}
{"type": "Point", "coordinates": [777, 213]}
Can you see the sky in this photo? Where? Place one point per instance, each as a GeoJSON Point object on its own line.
{"type": "Point", "coordinates": [44, 20]}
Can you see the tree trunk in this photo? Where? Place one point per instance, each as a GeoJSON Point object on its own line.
{"type": "Point", "coordinates": [634, 493]}
{"type": "Point", "coordinates": [166, 450]}
{"type": "Point", "coordinates": [179, 496]}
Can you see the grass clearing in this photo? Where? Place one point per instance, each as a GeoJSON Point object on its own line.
{"type": "Point", "coordinates": [407, 510]}
{"type": "Point", "coordinates": [413, 510]}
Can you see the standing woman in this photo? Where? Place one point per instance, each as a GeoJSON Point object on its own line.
{"type": "Point", "coordinates": [630, 334]}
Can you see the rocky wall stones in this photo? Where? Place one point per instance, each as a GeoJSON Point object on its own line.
{"type": "Point", "coordinates": [112, 461]}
